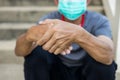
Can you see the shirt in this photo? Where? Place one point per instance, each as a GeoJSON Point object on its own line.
{"type": "Point", "coordinates": [95, 23]}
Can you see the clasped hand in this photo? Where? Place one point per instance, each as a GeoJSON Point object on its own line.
{"type": "Point", "coordinates": [57, 36]}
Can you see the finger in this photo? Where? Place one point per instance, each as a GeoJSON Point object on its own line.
{"type": "Point", "coordinates": [45, 37]}
{"type": "Point", "coordinates": [63, 53]}
{"type": "Point", "coordinates": [70, 48]}
{"type": "Point", "coordinates": [58, 51]}
{"type": "Point", "coordinates": [49, 44]}
{"type": "Point", "coordinates": [67, 51]}
{"type": "Point", "coordinates": [62, 47]}
{"type": "Point", "coordinates": [56, 45]}
{"type": "Point", "coordinates": [50, 21]}
{"type": "Point", "coordinates": [50, 24]}
{"type": "Point", "coordinates": [47, 21]}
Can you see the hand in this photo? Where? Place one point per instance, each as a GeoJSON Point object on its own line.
{"type": "Point", "coordinates": [36, 32]}
{"type": "Point", "coordinates": [59, 37]}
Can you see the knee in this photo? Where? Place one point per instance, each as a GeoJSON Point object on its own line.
{"type": "Point", "coordinates": [38, 56]}
{"type": "Point", "coordinates": [94, 68]}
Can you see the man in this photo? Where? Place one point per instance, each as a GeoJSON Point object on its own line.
{"type": "Point", "coordinates": [69, 44]}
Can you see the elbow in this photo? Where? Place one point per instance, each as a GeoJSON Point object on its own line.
{"type": "Point", "coordinates": [108, 62]}
{"type": "Point", "coordinates": [108, 59]}
{"type": "Point", "coordinates": [105, 60]}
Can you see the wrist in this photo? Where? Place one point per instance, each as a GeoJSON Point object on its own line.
{"type": "Point", "coordinates": [79, 35]}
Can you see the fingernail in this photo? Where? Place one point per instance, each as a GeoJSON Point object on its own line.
{"type": "Point", "coordinates": [71, 48]}
{"type": "Point", "coordinates": [68, 51]}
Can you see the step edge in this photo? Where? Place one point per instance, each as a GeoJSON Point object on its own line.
{"type": "Point", "coordinates": [46, 8]}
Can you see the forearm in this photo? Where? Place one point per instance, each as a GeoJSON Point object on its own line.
{"type": "Point", "coordinates": [100, 50]}
{"type": "Point", "coordinates": [23, 46]}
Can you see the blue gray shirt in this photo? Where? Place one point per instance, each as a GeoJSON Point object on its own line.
{"type": "Point", "coordinates": [95, 23]}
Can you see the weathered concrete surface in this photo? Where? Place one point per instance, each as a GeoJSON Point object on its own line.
{"type": "Point", "coordinates": [31, 14]}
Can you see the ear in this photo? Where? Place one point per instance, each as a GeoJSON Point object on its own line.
{"type": "Point", "coordinates": [56, 2]}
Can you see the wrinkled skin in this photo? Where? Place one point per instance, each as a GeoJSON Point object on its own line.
{"type": "Point", "coordinates": [35, 33]}
{"type": "Point", "coordinates": [59, 36]}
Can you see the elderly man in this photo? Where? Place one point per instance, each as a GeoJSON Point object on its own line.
{"type": "Point", "coordinates": [69, 44]}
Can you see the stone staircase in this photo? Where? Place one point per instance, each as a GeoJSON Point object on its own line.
{"type": "Point", "coordinates": [16, 16]}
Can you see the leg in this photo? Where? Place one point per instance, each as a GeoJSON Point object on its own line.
{"type": "Point", "coordinates": [59, 71]}
{"type": "Point", "coordinates": [96, 71]}
{"type": "Point", "coordinates": [37, 64]}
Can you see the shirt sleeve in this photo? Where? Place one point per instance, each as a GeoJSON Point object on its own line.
{"type": "Point", "coordinates": [103, 27]}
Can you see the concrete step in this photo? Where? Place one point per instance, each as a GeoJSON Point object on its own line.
{"type": "Point", "coordinates": [118, 76]}
{"type": "Point", "coordinates": [7, 55]}
{"type": "Point", "coordinates": [11, 72]}
{"type": "Point", "coordinates": [23, 14]}
{"type": "Point", "coordinates": [11, 66]}
{"type": "Point", "coordinates": [9, 31]}
{"type": "Point", "coordinates": [26, 2]}
{"type": "Point", "coordinates": [31, 14]}
{"type": "Point", "coordinates": [37, 2]}
{"type": "Point", "coordinates": [96, 2]}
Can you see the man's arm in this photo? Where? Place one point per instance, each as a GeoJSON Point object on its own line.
{"type": "Point", "coordinates": [100, 48]}
{"type": "Point", "coordinates": [23, 46]}
{"type": "Point", "coordinates": [27, 42]}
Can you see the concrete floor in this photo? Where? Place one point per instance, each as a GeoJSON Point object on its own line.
{"type": "Point", "coordinates": [11, 72]}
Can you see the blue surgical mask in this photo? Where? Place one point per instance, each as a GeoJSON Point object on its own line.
{"type": "Point", "coordinates": [72, 9]}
